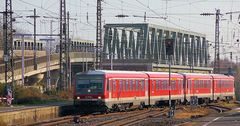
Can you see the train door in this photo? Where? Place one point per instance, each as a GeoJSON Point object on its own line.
{"type": "Point", "coordinates": [189, 85]}
{"type": "Point", "coordinates": [119, 88]}
{"type": "Point", "coordinates": [114, 89]}
{"type": "Point", "coordinates": [212, 85]}
{"type": "Point", "coordinates": [110, 88]}
{"type": "Point", "coordinates": [220, 88]}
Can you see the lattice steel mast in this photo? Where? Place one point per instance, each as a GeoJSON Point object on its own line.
{"type": "Point", "coordinates": [99, 36]}
{"type": "Point", "coordinates": [8, 43]}
{"type": "Point", "coordinates": [63, 50]}
{"type": "Point", "coordinates": [217, 48]}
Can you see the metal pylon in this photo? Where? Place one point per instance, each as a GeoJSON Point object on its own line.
{"type": "Point", "coordinates": [99, 36]}
{"type": "Point", "coordinates": [8, 43]}
{"type": "Point", "coordinates": [217, 49]}
{"type": "Point", "coordinates": [63, 50]}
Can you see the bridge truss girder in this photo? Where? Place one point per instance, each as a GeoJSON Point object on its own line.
{"type": "Point", "coordinates": [147, 41]}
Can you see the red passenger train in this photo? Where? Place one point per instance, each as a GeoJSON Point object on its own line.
{"type": "Point", "coordinates": [104, 89]}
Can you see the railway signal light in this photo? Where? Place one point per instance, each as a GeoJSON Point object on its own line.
{"type": "Point", "coordinates": [169, 46]}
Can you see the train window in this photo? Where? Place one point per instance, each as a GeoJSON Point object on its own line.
{"type": "Point", "coordinates": [126, 85]}
{"type": "Point", "coordinates": [157, 85]}
{"type": "Point", "coordinates": [204, 84]}
{"type": "Point", "coordinates": [145, 84]}
{"type": "Point", "coordinates": [152, 85]}
{"type": "Point", "coordinates": [179, 84]}
{"type": "Point", "coordinates": [189, 84]}
{"type": "Point", "coordinates": [173, 85]}
{"type": "Point", "coordinates": [121, 85]}
{"type": "Point", "coordinates": [136, 84]}
{"type": "Point", "coordinates": [142, 85]}
{"type": "Point", "coordinates": [207, 83]}
{"type": "Point", "coordinates": [200, 84]}
{"type": "Point", "coordinates": [223, 84]}
{"type": "Point", "coordinates": [114, 85]}
{"type": "Point", "coordinates": [139, 85]}
{"type": "Point", "coordinates": [210, 83]}
{"type": "Point", "coordinates": [131, 85]}
{"type": "Point", "coordinates": [108, 84]}
{"type": "Point", "coordinates": [164, 84]}
{"type": "Point", "coordinates": [197, 84]}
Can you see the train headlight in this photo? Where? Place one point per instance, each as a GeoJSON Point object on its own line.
{"type": "Point", "coordinates": [78, 97]}
{"type": "Point", "coordinates": [99, 97]}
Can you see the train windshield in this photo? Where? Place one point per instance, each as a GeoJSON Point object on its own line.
{"type": "Point", "coordinates": [89, 84]}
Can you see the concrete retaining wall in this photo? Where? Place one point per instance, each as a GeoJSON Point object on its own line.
{"type": "Point", "coordinates": [30, 115]}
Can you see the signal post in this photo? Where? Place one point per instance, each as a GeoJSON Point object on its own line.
{"type": "Point", "coordinates": [169, 51]}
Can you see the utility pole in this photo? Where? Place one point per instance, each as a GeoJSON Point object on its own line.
{"type": "Point", "coordinates": [8, 45]}
{"type": "Point", "coordinates": [68, 45]}
{"type": "Point", "coordinates": [217, 48]}
{"type": "Point", "coordinates": [48, 63]}
{"type": "Point", "coordinates": [22, 48]}
{"type": "Point", "coordinates": [34, 39]}
{"type": "Point", "coordinates": [99, 36]}
{"type": "Point", "coordinates": [62, 53]}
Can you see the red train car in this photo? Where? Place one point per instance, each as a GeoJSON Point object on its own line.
{"type": "Point", "coordinates": [199, 86]}
{"type": "Point", "coordinates": [223, 86]}
{"type": "Point", "coordinates": [159, 86]}
{"type": "Point", "coordinates": [111, 89]}
{"type": "Point", "coordinates": [104, 89]}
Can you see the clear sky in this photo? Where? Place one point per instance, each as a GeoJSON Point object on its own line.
{"type": "Point", "coordinates": [182, 14]}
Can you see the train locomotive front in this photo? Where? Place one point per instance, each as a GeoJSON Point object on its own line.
{"type": "Point", "coordinates": [103, 90]}
{"type": "Point", "coordinates": [89, 92]}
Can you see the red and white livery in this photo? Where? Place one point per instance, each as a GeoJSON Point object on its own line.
{"type": "Point", "coordinates": [104, 89]}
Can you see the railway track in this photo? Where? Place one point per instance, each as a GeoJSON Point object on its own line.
{"type": "Point", "coordinates": [220, 109]}
{"type": "Point", "coordinates": [133, 118]}
{"type": "Point", "coordinates": [117, 119]}
{"type": "Point", "coordinates": [53, 122]}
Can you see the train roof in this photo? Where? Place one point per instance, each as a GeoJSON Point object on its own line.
{"type": "Point", "coordinates": [221, 76]}
{"type": "Point", "coordinates": [163, 74]}
{"type": "Point", "coordinates": [193, 75]}
{"type": "Point", "coordinates": [100, 72]}
{"type": "Point", "coordinates": [115, 74]}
